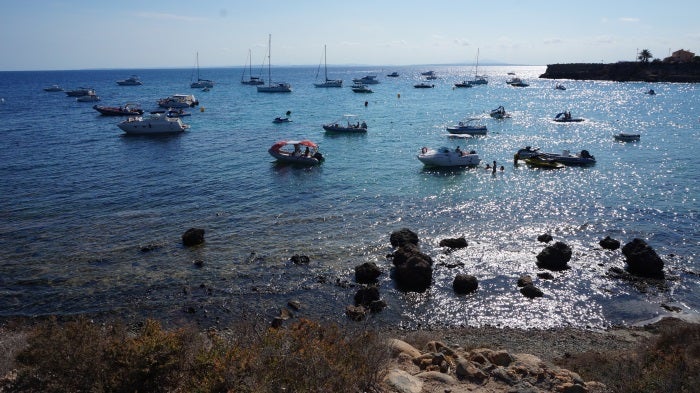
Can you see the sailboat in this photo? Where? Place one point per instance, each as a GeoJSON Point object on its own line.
{"type": "Point", "coordinates": [201, 83]}
{"type": "Point", "coordinates": [276, 87]}
{"type": "Point", "coordinates": [478, 79]}
{"type": "Point", "coordinates": [252, 80]}
{"type": "Point", "coordinates": [327, 82]}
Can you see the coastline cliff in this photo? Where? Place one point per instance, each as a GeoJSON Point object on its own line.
{"type": "Point", "coordinates": [626, 72]}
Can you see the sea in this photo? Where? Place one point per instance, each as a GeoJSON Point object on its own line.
{"type": "Point", "coordinates": [91, 220]}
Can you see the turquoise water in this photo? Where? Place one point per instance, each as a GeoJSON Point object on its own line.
{"type": "Point", "coordinates": [78, 200]}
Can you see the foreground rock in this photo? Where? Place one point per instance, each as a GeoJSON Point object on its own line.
{"type": "Point", "coordinates": [554, 257]}
{"type": "Point", "coordinates": [193, 237]}
{"type": "Point", "coordinates": [413, 270]}
{"type": "Point", "coordinates": [440, 368]}
{"type": "Point", "coordinates": [642, 260]}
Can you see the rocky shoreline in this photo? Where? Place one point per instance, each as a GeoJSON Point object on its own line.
{"type": "Point", "coordinates": [626, 72]}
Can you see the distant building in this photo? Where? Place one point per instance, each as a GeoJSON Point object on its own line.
{"type": "Point", "coordinates": [680, 56]}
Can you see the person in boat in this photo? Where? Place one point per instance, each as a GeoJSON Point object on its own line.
{"type": "Point", "coordinates": [363, 125]}
{"type": "Point", "coordinates": [458, 151]}
{"type": "Point", "coordinates": [502, 168]}
{"type": "Point", "coordinates": [297, 151]}
{"type": "Point", "coordinates": [306, 152]}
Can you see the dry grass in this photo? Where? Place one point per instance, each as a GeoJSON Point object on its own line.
{"type": "Point", "coordinates": [669, 363]}
{"type": "Point", "coordinates": [81, 356]}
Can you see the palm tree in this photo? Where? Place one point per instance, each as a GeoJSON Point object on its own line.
{"type": "Point", "coordinates": [645, 55]}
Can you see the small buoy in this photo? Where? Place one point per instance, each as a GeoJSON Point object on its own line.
{"type": "Point", "coordinates": [201, 109]}
{"type": "Point", "coordinates": [366, 103]}
{"type": "Point", "coordinates": [398, 95]}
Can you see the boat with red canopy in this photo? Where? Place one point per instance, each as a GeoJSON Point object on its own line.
{"type": "Point", "coordinates": [302, 152]}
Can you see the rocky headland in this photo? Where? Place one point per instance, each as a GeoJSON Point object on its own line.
{"type": "Point", "coordinates": [626, 72]}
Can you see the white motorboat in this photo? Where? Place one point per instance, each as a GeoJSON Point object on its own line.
{"type": "Point", "coordinates": [467, 126]}
{"type": "Point", "coordinates": [566, 158]}
{"type": "Point", "coordinates": [81, 91]}
{"type": "Point", "coordinates": [327, 82]}
{"type": "Point", "coordinates": [348, 123]}
{"type": "Point", "coordinates": [154, 124]}
{"type": "Point", "coordinates": [517, 82]}
{"type": "Point", "coordinates": [463, 84]}
{"type": "Point", "coordinates": [499, 113]}
{"type": "Point", "coordinates": [178, 101]}
{"type": "Point", "coordinates": [273, 87]}
{"type": "Point", "coordinates": [53, 88]}
{"type": "Point", "coordinates": [310, 155]}
{"type": "Point", "coordinates": [393, 75]}
{"type": "Point", "coordinates": [360, 88]}
{"type": "Point", "coordinates": [527, 152]}
{"type": "Point", "coordinates": [445, 157]}
{"type": "Point", "coordinates": [88, 98]}
{"type": "Point", "coordinates": [131, 81]}
{"type": "Point", "coordinates": [559, 86]}
{"type": "Point", "coordinates": [367, 80]}
{"type": "Point", "coordinates": [624, 137]}
{"type": "Point", "coordinates": [423, 85]}
{"type": "Point", "coordinates": [201, 83]}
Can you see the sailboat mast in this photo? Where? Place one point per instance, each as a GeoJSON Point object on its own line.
{"type": "Point", "coordinates": [269, 59]}
{"type": "Point", "coordinates": [325, 64]}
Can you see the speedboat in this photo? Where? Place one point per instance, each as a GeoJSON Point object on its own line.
{"type": "Point", "coordinates": [428, 73]}
{"type": "Point", "coordinates": [651, 92]}
{"type": "Point", "coordinates": [366, 80]}
{"type": "Point", "coordinates": [467, 126]}
{"type": "Point", "coordinates": [310, 155]}
{"type": "Point", "coordinates": [499, 113]}
{"type": "Point", "coordinates": [88, 98]}
{"type": "Point", "coordinates": [279, 120]}
{"type": "Point", "coordinates": [623, 137]}
{"type": "Point", "coordinates": [582, 159]}
{"type": "Point", "coordinates": [543, 162]}
{"type": "Point", "coordinates": [527, 152]}
{"type": "Point", "coordinates": [565, 117]}
{"type": "Point", "coordinates": [178, 101]}
{"type": "Point", "coordinates": [559, 86]}
{"type": "Point", "coordinates": [517, 82]}
{"type": "Point", "coordinates": [361, 88]}
{"type": "Point", "coordinates": [131, 81]}
{"type": "Point", "coordinates": [53, 88]}
{"type": "Point", "coordinates": [81, 91]}
{"type": "Point", "coordinates": [445, 157]}
{"type": "Point", "coordinates": [346, 124]}
{"type": "Point", "coordinates": [464, 84]}
{"type": "Point", "coordinates": [393, 75]}
{"type": "Point", "coordinates": [423, 85]}
{"type": "Point", "coordinates": [155, 124]}
{"type": "Point", "coordinates": [126, 110]}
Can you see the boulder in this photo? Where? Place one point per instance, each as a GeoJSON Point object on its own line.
{"type": "Point", "coordinates": [403, 382]}
{"type": "Point", "coordinates": [397, 347]}
{"type": "Point", "coordinates": [403, 236]}
{"type": "Point", "coordinates": [300, 259]}
{"type": "Point", "coordinates": [356, 313]}
{"type": "Point", "coordinates": [454, 243]}
{"type": "Point", "coordinates": [367, 273]}
{"type": "Point", "coordinates": [554, 257]}
{"type": "Point", "coordinates": [524, 280]}
{"type": "Point", "coordinates": [408, 250]}
{"type": "Point", "coordinates": [531, 291]}
{"type": "Point", "coordinates": [464, 284]}
{"type": "Point", "coordinates": [609, 243]}
{"type": "Point", "coordinates": [415, 275]}
{"type": "Point", "coordinates": [365, 296]}
{"type": "Point", "coordinates": [545, 238]}
{"type": "Point", "coordinates": [193, 237]}
{"type": "Point", "coordinates": [642, 260]}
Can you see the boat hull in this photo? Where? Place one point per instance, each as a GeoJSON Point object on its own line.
{"type": "Point", "coordinates": [467, 130]}
{"type": "Point", "coordinates": [447, 158]}
{"type": "Point", "coordinates": [287, 158]}
{"type": "Point", "coordinates": [156, 126]}
{"type": "Point", "coordinates": [278, 88]}
{"type": "Point", "coordinates": [332, 128]}
{"type": "Point", "coordinates": [117, 111]}
{"type": "Point", "coordinates": [627, 137]}
{"type": "Point", "coordinates": [330, 83]}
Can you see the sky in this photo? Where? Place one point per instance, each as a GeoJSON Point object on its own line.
{"type": "Point", "coordinates": [129, 34]}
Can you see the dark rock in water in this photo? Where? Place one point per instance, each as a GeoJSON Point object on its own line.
{"type": "Point", "coordinates": [545, 276]}
{"type": "Point", "coordinates": [151, 247]}
{"type": "Point", "coordinates": [545, 238]}
{"type": "Point", "coordinates": [300, 259]}
{"type": "Point", "coordinates": [609, 243]}
{"type": "Point", "coordinates": [464, 284]}
{"type": "Point", "coordinates": [454, 243]}
{"type": "Point", "coordinates": [198, 263]}
{"type": "Point", "coordinates": [367, 273]}
{"type": "Point", "coordinates": [524, 280]}
{"type": "Point", "coordinates": [366, 295]}
{"type": "Point", "coordinates": [415, 275]}
{"type": "Point", "coordinates": [403, 236]}
{"type": "Point", "coordinates": [294, 305]}
{"type": "Point", "coordinates": [531, 291]}
{"type": "Point", "coordinates": [642, 260]}
{"type": "Point", "coordinates": [277, 322]}
{"type": "Point", "coordinates": [356, 313]}
{"type": "Point", "coordinates": [554, 257]}
{"type": "Point", "coordinates": [407, 251]}
{"type": "Point", "coordinates": [193, 237]}
{"type": "Point", "coordinates": [377, 306]}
